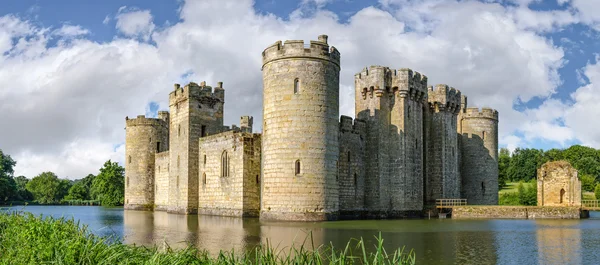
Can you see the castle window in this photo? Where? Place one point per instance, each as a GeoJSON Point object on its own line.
{"type": "Point", "coordinates": [224, 164]}
{"type": "Point", "coordinates": [348, 156]}
{"type": "Point", "coordinates": [205, 159]}
{"type": "Point", "coordinates": [179, 130]}
{"type": "Point", "coordinates": [296, 86]}
{"type": "Point", "coordinates": [177, 162]}
{"type": "Point", "coordinates": [158, 147]}
{"type": "Point", "coordinates": [203, 131]}
{"type": "Point", "coordinates": [297, 167]}
{"type": "Point", "coordinates": [158, 169]}
{"type": "Point", "coordinates": [129, 159]}
{"type": "Point", "coordinates": [150, 139]}
{"type": "Point", "coordinates": [483, 133]}
{"type": "Point", "coordinates": [177, 181]}
{"type": "Point", "coordinates": [482, 188]}
{"type": "Point", "coordinates": [257, 179]}
{"type": "Point", "coordinates": [127, 181]}
{"type": "Point", "coordinates": [408, 112]}
{"type": "Point", "coordinates": [355, 180]}
{"type": "Point", "coordinates": [203, 178]}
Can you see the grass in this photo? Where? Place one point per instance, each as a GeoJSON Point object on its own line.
{"type": "Point", "coordinates": [511, 187]}
{"type": "Point", "coordinates": [29, 239]}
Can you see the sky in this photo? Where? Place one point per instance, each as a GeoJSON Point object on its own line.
{"type": "Point", "coordinates": [71, 71]}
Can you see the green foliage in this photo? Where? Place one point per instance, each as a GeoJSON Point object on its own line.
{"type": "Point", "coordinates": [588, 182]}
{"type": "Point", "coordinates": [524, 164]}
{"type": "Point", "coordinates": [509, 198]}
{"type": "Point", "coordinates": [109, 185]}
{"type": "Point", "coordinates": [47, 188]}
{"type": "Point", "coordinates": [597, 191]}
{"type": "Point", "coordinates": [26, 239]}
{"type": "Point", "coordinates": [22, 192]}
{"type": "Point", "coordinates": [81, 189]}
{"type": "Point", "coordinates": [503, 164]}
{"type": "Point", "coordinates": [527, 195]}
{"type": "Point", "coordinates": [8, 187]}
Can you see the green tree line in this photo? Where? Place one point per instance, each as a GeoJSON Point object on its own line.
{"type": "Point", "coordinates": [107, 187]}
{"type": "Point", "coordinates": [522, 166]}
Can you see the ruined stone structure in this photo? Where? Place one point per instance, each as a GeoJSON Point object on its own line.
{"type": "Point", "coordinates": [409, 145]}
{"type": "Point", "coordinates": [558, 185]}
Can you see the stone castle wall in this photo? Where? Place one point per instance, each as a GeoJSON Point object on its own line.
{"type": "Point", "coordinates": [442, 178]}
{"type": "Point", "coordinates": [407, 146]}
{"type": "Point", "coordinates": [479, 158]}
{"type": "Point", "coordinates": [229, 186]}
{"type": "Point", "coordinates": [300, 116]}
{"type": "Point", "coordinates": [161, 181]}
{"type": "Point", "coordinates": [351, 172]}
{"type": "Point", "coordinates": [558, 185]}
{"type": "Point", "coordinates": [196, 111]}
{"type": "Point", "coordinates": [391, 103]}
{"type": "Point", "coordinates": [144, 138]}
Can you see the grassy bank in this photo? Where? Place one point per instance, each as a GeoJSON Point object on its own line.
{"type": "Point", "coordinates": [28, 239]}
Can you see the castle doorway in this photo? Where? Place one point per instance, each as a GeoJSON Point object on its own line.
{"type": "Point", "coordinates": [562, 194]}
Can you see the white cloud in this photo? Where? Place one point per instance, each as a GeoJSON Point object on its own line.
{"type": "Point", "coordinates": [106, 20]}
{"type": "Point", "coordinates": [582, 115]}
{"type": "Point", "coordinates": [67, 113]}
{"type": "Point", "coordinates": [71, 31]}
{"type": "Point", "coordinates": [134, 23]}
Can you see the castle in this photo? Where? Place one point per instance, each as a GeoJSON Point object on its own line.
{"type": "Point", "coordinates": [409, 145]}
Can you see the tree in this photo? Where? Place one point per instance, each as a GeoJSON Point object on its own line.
{"type": "Point", "coordinates": [597, 191]}
{"type": "Point", "coordinates": [47, 188]}
{"type": "Point", "coordinates": [109, 185]}
{"type": "Point", "coordinates": [22, 192]}
{"type": "Point", "coordinates": [524, 164]}
{"type": "Point", "coordinates": [588, 165]}
{"type": "Point", "coordinates": [81, 189]}
{"type": "Point", "coordinates": [8, 187]}
{"type": "Point", "coordinates": [503, 163]}
{"type": "Point", "coordinates": [588, 182]}
{"type": "Point", "coordinates": [528, 196]}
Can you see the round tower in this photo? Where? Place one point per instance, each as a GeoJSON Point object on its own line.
{"type": "Point", "coordinates": [479, 159]}
{"type": "Point", "coordinates": [144, 138]}
{"type": "Point", "coordinates": [300, 133]}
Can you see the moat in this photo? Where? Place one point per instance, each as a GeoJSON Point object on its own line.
{"type": "Point", "coordinates": [435, 241]}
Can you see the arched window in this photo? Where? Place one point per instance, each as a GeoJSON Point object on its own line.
{"type": "Point", "coordinates": [224, 164]}
{"type": "Point", "coordinates": [296, 86]}
{"type": "Point", "coordinates": [562, 194]}
{"type": "Point", "coordinates": [483, 133]}
{"type": "Point", "coordinates": [482, 187]}
{"type": "Point", "coordinates": [203, 178]}
{"type": "Point", "coordinates": [297, 167]}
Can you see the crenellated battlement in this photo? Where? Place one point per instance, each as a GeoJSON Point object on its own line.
{"type": "Point", "coordinates": [487, 113]}
{"type": "Point", "coordinates": [444, 98]}
{"type": "Point", "coordinates": [297, 49]}
{"type": "Point", "coordinates": [380, 80]}
{"type": "Point", "coordinates": [356, 126]}
{"type": "Point", "coordinates": [141, 120]}
{"type": "Point", "coordinates": [201, 92]}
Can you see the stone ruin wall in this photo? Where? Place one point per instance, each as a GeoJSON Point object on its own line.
{"type": "Point", "coordinates": [144, 138]}
{"type": "Point", "coordinates": [554, 177]}
{"type": "Point", "coordinates": [479, 158]}
{"type": "Point", "coordinates": [351, 172]}
{"type": "Point", "coordinates": [300, 126]}
{"type": "Point", "coordinates": [237, 193]}
{"type": "Point", "coordinates": [442, 178]}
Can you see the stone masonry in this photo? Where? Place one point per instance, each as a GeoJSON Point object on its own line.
{"type": "Point", "coordinates": [558, 185]}
{"type": "Point", "coordinates": [408, 146]}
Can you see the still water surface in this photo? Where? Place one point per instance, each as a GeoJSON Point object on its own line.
{"type": "Point", "coordinates": [436, 241]}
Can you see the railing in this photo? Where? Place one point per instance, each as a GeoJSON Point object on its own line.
{"type": "Point", "coordinates": [447, 203]}
{"type": "Point", "coordinates": [590, 203]}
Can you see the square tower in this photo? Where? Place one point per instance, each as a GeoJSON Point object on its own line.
{"type": "Point", "coordinates": [196, 111]}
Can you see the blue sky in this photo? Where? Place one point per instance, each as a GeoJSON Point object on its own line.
{"type": "Point", "coordinates": [73, 69]}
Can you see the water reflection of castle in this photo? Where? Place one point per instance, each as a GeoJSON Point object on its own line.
{"type": "Point", "coordinates": [442, 242]}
